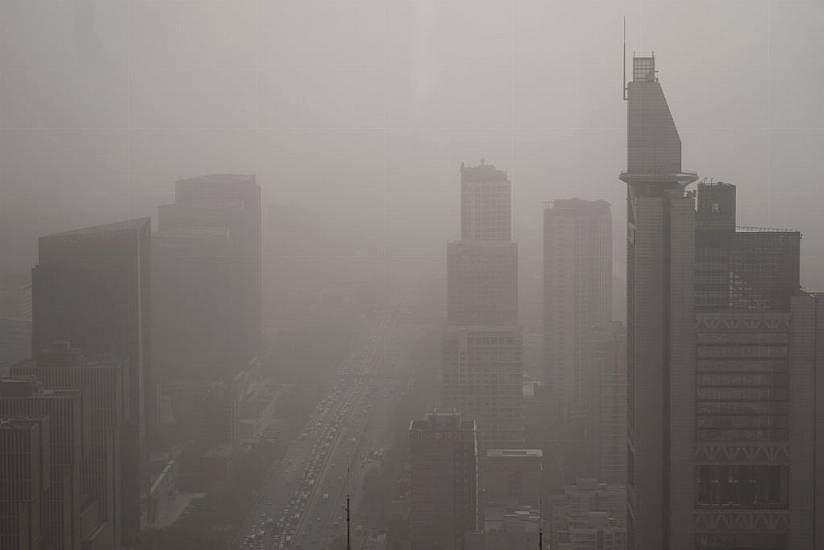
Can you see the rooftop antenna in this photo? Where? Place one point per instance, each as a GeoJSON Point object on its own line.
{"type": "Point", "coordinates": [541, 524]}
{"type": "Point", "coordinates": [348, 519]}
{"type": "Point", "coordinates": [626, 95]}
{"type": "Point", "coordinates": [541, 513]}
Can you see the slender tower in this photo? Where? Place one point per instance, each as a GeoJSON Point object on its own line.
{"type": "Point", "coordinates": [660, 320]}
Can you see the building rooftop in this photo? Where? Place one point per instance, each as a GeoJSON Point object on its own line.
{"type": "Point", "coordinates": [514, 453]}
{"type": "Point", "coordinates": [136, 223]}
{"type": "Point", "coordinates": [220, 179]}
{"type": "Point", "coordinates": [576, 205]}
{"type": "Point", "coordinates": [482, 173]}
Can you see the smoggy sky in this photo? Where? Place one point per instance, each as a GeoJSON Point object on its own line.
{"type": "Point", "coordinates": [360, 111]}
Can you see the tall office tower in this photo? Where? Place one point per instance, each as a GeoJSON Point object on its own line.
{"type": "Point", "coordinates": [207, 278]}
{"type": "Point", "coordinates": [443, 460]}
{"type": "Point", "coordinates": [92, 287]}
{"type": "Point", "coordinates": [61, 512]}
{"type": "Point", "coordinates": [24, 481]}
{"type": "Point", "coordinates": [660, 321]}
{"type": "Point", "coordinates": [15, 319]}
{"type": "Point", "coordinates": [483, 379]}
{"type": "Point", "coordinates": [577, 321]}
{"type": "Point", "coordinates": [486, 204]}
{"type": "Point", "coordinates": [482, 364]}
{"type": "Point", "coordinates": [577, 288]}
{"type": "Point", "coordinates": [101, 386]}
{"type": "Point", "coordinates": [482, 282]}
{"type": "Point", "coordinates": [755, 424]}
{"type": "Point", "coordinates": [610, 430]}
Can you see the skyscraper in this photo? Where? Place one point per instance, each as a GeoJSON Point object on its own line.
{"type": "Point", "coordinates": [482, 364]}
{"type": "Point", "coordinates": [207, 278]}
{"type": "Point", "coordinates": [756, 332]}
{"type": "Point", "coordinates": [92, 287]}
{"type": "Point", "coordinates": [61, 510]}
{"type": "Point", "coordinates": [486, 203]}
{"type": "Point", "coordinates": [577, 286]}
{"type": "Point", "coordinates": [101, 386]}
{"type": "Point", "coordinates": [660, 320]}
{"type": "Point", "coordinates": [24, 481]}
{"type": "Point", "coordinates": [723, 350]}
{"type": "Point", "coordinates": [577, 322]}
{"type": "Point", "coordinates": [443, 462]}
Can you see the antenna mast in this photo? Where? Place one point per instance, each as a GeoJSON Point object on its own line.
{"type": "Point", "coordinates": [348, 533]}
{"type": "Point", "coordinates": [625, 95]}
{"type": "Point", "coordinates": [541, 524]}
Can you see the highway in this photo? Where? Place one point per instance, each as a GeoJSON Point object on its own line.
{"type": "Point", "coordinates": [302, 505]}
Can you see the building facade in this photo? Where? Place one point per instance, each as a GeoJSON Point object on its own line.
{"type": "Point", "coordinates": [755, 383]}
{"type": "Point", "coordinates": [207, 276]}
{"type": "Point", "coordinates": [24, 481]}
{"type": "Point", "coordinates": [482, 361]}
{"type": "Point", "coordinates": [579, 341]}
{"type": "Point", "coordinates": [102, 387]}
{"type": "Point", "coordinates": [660, 321]}
{"type": "Point", "coordinates": [723, 350]}
{"type": "Point", "coordinates": [61, 509]}
{"type": "Point", "coordinates": [486, 203]}
{"type": "Point", "coordinates": [443, 456]}
{"type": "Point", "coordinates": [92, 287]}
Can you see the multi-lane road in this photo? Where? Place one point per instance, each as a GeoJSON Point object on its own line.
{"type": "Point", "coordinates": [302, 504]}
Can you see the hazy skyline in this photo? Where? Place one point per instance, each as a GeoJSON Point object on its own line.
{"type": "Point", "coordinates": [362, 112]}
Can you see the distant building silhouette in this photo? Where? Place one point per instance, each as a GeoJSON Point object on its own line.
{"type": "Point", "coordinates": [207, 278]}
{"type": "Point", "coordinates": [486, 204]}
{"type": "Point", "coordinates": [92, 287]}
{"type": "Point", "coordinates": [443, 461]}
{"type": "Point", "coordinates": [15, 319]}
{"type": "Point", "coordinates": [578, 334]}
{"type": "Point", "coordinates": [482, 349]}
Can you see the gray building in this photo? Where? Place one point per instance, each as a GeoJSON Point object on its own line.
{"type": "Point", "coordinates": [756, 332]}
{"type": "Point", "coordinates": [60, 520]}
{"type": "Point", "coordinates": [579, 340]}
{"type": "Point", "coordinates": [207, 278]}
{"type": "Point", "coordinates": [92, 287]}
{"type": "Point", "coordinates": [486, 203]}
{"type": "Point", "coordinates": [24, 481]}
{"type": "Point", "coordinates": [660, 321]}
{"type": "Point", "coordinates": [723, 347]}
{"type": "Point", "coordinates": [482, 283]}
{"type": "Point", "coordinates": [482, 348]}
{"type": "Point", "coordinates": [102, 387]}
{"type": "Point", "coordinates": [443, 460]}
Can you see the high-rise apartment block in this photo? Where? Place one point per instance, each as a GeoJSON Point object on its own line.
{"type": "Point", "coordinates": [443, 460]}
